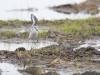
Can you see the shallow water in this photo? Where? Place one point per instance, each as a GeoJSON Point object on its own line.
{"type": "Point", "coordinates": [9, 69]}
{"type": "Point", "coordinates": [36, 45]}
{"type": "Point", "coordinates": [42, 11]}
{"type": "Point", "coordinates": [27, 46]}
{"type": "Point", "coordinates": [92, 43]}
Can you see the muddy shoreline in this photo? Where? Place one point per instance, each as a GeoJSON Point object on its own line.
{"type": "Point", "coordinates": [54, 57]}
{"type": "Point", "coordinates": [87, 7]}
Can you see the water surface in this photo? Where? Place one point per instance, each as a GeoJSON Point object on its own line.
{"type": "Point", "coordinates": [28, 45]}
{"type": "Point", "coordinates": [92, 43]}
{"type": "Point", "coordinates": [9, 69]}
{"type": "Point", "coordinates": [42, 11]}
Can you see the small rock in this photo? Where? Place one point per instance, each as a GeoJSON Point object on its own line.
{"type": "Point", "coordinates": [20, 49]}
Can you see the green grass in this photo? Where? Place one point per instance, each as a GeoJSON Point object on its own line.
{"type": "Point", "coordinates": [24, 35]}
{"type": "Point", "coordinates": [4, 23]}
{"type": "Point", "coordinates": [77, 27]}
{"type": "Point", "coordinates": [83, 27]}
{"type": "Point", "coordinates": [42, 35]}
{"type": "Point", "coordinates": [14, 33]}
{"type": "Point", "coordinates": [8, 34]}
{"type": "Point", "coordinates": [14, 23]}
{"type": "Point", "coordinates": [68, 29]}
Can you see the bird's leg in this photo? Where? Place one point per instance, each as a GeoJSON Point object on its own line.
{"type": "Point", "coordinates": [37, 40]}
{"type": "Point", "coordinates": [60, 44]}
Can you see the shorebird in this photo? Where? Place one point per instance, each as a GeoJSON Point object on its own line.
{"type": "Point", "coordinates": [34, 70]}
{"type": "Point", "coordinates": [66, 43]}
{"type": "Point", "coordinates": [33, 33]}
{"type": "Point", "coordinates": [34, 29]}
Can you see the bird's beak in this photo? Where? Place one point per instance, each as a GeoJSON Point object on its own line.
{"type": "Point", "coordinates": [36, 29]}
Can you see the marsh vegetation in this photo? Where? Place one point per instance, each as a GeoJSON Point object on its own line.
{"type": "Point", "coordinates": [74, 28]}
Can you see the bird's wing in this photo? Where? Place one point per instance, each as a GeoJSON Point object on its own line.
{"type": "Point", "coordinates": [34, 19]}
